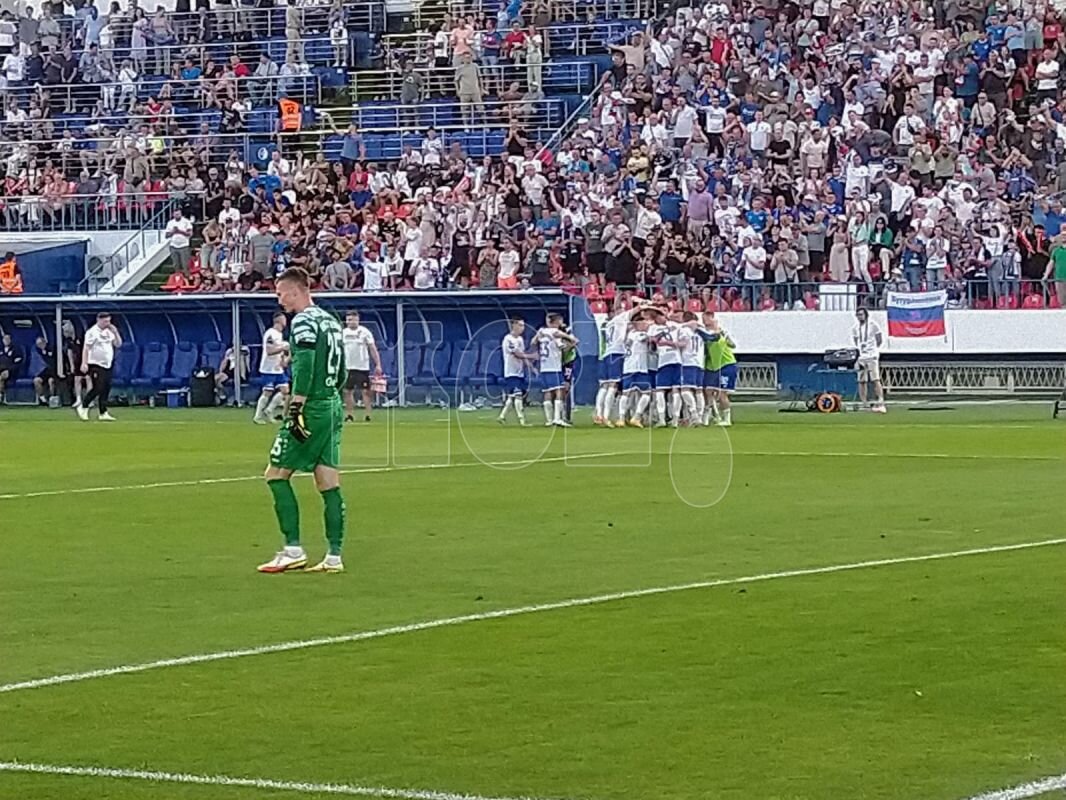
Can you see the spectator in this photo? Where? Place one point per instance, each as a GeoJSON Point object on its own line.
{"type": "Point", "coordinates": [179, 234]}
{"type": "Point", "coordinates": [10, 275]}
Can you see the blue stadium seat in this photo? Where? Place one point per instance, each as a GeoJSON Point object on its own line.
{"type": "Point", "coordinates": [491, 365]}
{"type": "Point", "coordinates": [388, 362]}
{"type": "Point", "coordinates": [153, 366]}
{"type": "Point", "coordinates": [127, 362]}
{"type": "Point", "coordinates": [181, 368]}
{"type": "Point", "coordinates": [436, 360]}
{"type": "Point", "coordinates": [465, 363]}
{"type": "Point", "coordinates": [211, 354]}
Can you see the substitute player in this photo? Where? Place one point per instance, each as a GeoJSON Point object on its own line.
{"type": "Point", "coordinates": [636, 385]}
{"type": "Point", "coordinates": [550, 342]}
{"type": "Point", "coordinates": [310, 439]}
{"type": "Point", "coordinates": [722, 367]}
{"type": "Point", "coordinates": [867, 337]}
{"type": "Point", "coordinates": [515, 379]}
{"type": "Point", "coordinates": [272, 369]}
{"type": "Point", "coordinates": [359, 349]}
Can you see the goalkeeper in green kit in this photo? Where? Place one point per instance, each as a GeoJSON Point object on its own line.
{"type": "Point", "coordinates": [309, 441]}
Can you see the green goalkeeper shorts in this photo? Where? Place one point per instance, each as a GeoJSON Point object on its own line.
{"type": "Point", "coordinates": [325, 422]}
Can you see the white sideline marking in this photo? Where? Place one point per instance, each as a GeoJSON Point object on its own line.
{"type": "Point", "coordinates": [530, 461]}
{"type": "Point", "coordinates": [248, 783]}
{"type": "Point", "coordinates": [303, 644]}
{"type": "Point", "coordinates": [1025, 790]}
{"type": "Point", "coordinates": [245, 478]}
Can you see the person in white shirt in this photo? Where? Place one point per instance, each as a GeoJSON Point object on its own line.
{"type": "Point", "coordinates": [636, 385]}
{"type": "Point", "coordinates": [758, 131]}
{"type": "Point", "coordinates": [908, 128]}
{"type": "Point", "coordinates": [179, 234]}
{"type": "Point", "coordinates": [515, 381]}
{"type": "Point", "coordinates": [375, 273]}
{"type": "Point", "coordinates": [550, 341]}
{"type": "Point", "coordinates": [867, 337]}
{"type": "Point", "coordinates": [753, 260]}
{"type": "Point", "coordinates": [359, 349]}
{"type": "Point", "coordinates": [1047, 77]}
{"type": "Point", "coordinates": [509, 261]}
{"type": "Point", "coordinates": [272, 370]}
{"type": "Point", "coordinates": [691, 368]}
{"type": "Point", "coordinates": [98, 358]}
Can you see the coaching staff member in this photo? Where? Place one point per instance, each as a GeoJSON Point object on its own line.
{"type": "Point", "coordinates": [98, 357]}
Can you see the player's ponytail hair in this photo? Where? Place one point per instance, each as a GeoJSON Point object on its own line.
{"type": "Point", "coordinates": [297, 275]}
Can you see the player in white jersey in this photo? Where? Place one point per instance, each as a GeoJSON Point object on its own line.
{"type": "Point", "coordinates": [613, 343]}
{"type": "Point", "coordinates": [691, 368]}
{"type": "Point", "coordinates": [272, 371]}
{"type": "Point", "coordinates": [550, 342]}
{"type": "Point", "coordinates": [359, 349]}
{"type": "Point", "coordinates": [515, 379]}
{"type": "Point", "coordinates": [663, 333]}
{"type": "Point", "coordinates": [636, 386]}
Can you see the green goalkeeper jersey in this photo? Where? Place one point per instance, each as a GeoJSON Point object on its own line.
{"type": "Point", "coordinates": [318, 369]}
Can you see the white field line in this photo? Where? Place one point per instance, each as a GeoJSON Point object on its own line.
{"type": "Point", "coordinates": [1025, 790]}
{"type": "Point", "coordinates": [395, 630]}
{"type": "Point", "coordinates": [247, 783]}
{"type": "Point", "coordinates": [530, 462]}
{"type": "Point", "coordinates": [350, 471]}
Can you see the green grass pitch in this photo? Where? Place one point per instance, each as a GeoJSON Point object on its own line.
{"type": "Point", "coordinates": [928, 680]}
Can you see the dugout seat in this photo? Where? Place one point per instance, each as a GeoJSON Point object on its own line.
{"type": "Point", "coordinates": [127, 363]}
{"type": "Point", "coordinates": [153, 366]}
{"type": "Point", "coordinates": [492, 363]}
{"type": "Point", "coordinates": [211, 354]}
{"type": "Point", "coordinates": [182, 365]}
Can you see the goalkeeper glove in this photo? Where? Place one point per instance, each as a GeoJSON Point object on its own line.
{"type": "Point", "coordinates": [297, 427]}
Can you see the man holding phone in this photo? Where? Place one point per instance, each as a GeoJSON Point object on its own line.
{"type": "Point", "coordinates": [98, 358]}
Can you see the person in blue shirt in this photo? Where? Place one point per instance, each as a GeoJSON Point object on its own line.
{"type": "Point", "coordinates": [268, 182]}
{"type": "Point", "coordinates": [548, 225]}
{"type": "Point", "coordinates": [758, 217]}
{"type": "Point", "coordinates": [747, 107]}
{"type": "Point", "coordinates": [982, 47]}
{"type": "Point", "coordinates": [671, 203]}
{"type": "Point", "coordinates": [971, 80]}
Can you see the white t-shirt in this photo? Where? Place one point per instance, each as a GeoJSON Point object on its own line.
{"type": "Point", "coordinates": [691, 347]}
{"type": "Point", "coordinates": [715, 119]}
{"type": "Point", "coordinates": [271, 364]}
{"type": "Point", "coordinates": [615, 335]}
{"type": "Point", "coordinates": [509, 261]}
{"type": "Point", "coordinates": [865, 336]}
{"type": "Point", "coordinates": [180, 231]}
{"type": "Point", "coordinates": [551, 350]}
{"type": "Point", "coordinates": [667, 354]}
{"type": "Point", "coordinates": [513, 365]}
{"type": "Point", "coordinates": [636, 360]}
{"type": "Point", "coordinates": [357, 343]}
{"type": "Point", "coordinates": [100, 345]}
{"type": "Point", "coordinates": [374, 273]}
{"type": "Point", "coordinates": [1047, 75]}
{"type": "Point", "coordinates": [754, 263]}
{"type": "Point", "coordinates": [759, 135]}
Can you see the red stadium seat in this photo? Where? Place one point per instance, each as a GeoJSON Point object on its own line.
{"type": "Point", "coordinates": [740, 305]}
{"type": "Point", "coordinates": [1054, 303]}
{"type": "Point", "coordinates": [810, 301]}
{"type": "Point", "coordinates": [598, 307]}
{"type": "Point", "coordinates": [694, 304]}
{"type": "Point", "coordinates": [592, 291]}
{"type": "Point", "coordinates": [1033, 301]}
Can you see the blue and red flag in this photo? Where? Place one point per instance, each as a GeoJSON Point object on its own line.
{"type": "Point", "coordinates": [912, 314]}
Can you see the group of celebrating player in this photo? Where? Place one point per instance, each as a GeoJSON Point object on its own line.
{"type": "Point", "coordinates": [681, 360]}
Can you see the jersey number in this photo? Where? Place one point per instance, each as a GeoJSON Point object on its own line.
{"type": "Point", "coordinates": [334, 354]}
{"type": "Point", "coordinates": [545, 349]}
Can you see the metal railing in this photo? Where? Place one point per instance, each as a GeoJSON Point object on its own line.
{"type": "Point", "coordinates": [429, 12]}
{"type": "Point", "coordinates": [975, 378]}
{"type": "Point", "coordinates": [260, 91]}
{"type": "Point", "coordinates": [80, 212]}
{"type": "Point", "coordinates": [102, 270]}
{"type": "Point", "coordinates": [555, 77]}
{"type": "Point", "coordinates": [247, 18]}
{"type": "Point", "coordinates": [578, 38]}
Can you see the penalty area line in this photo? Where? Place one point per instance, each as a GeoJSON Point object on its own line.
{"type": "Point", "coordinates": [152, 776]}
{"type": "Point", "coordinates": [126, 487]}
{"type": "Point", "coordinates": [446, 622]}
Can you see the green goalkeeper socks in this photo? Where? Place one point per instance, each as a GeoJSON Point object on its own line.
{"type": "Point", "coordinates": [333, 501]}
{"type": "Point", "coordinates": [287, 510]}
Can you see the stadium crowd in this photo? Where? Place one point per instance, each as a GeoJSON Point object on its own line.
{"type": "Point", "coordinates": [738, 152]}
